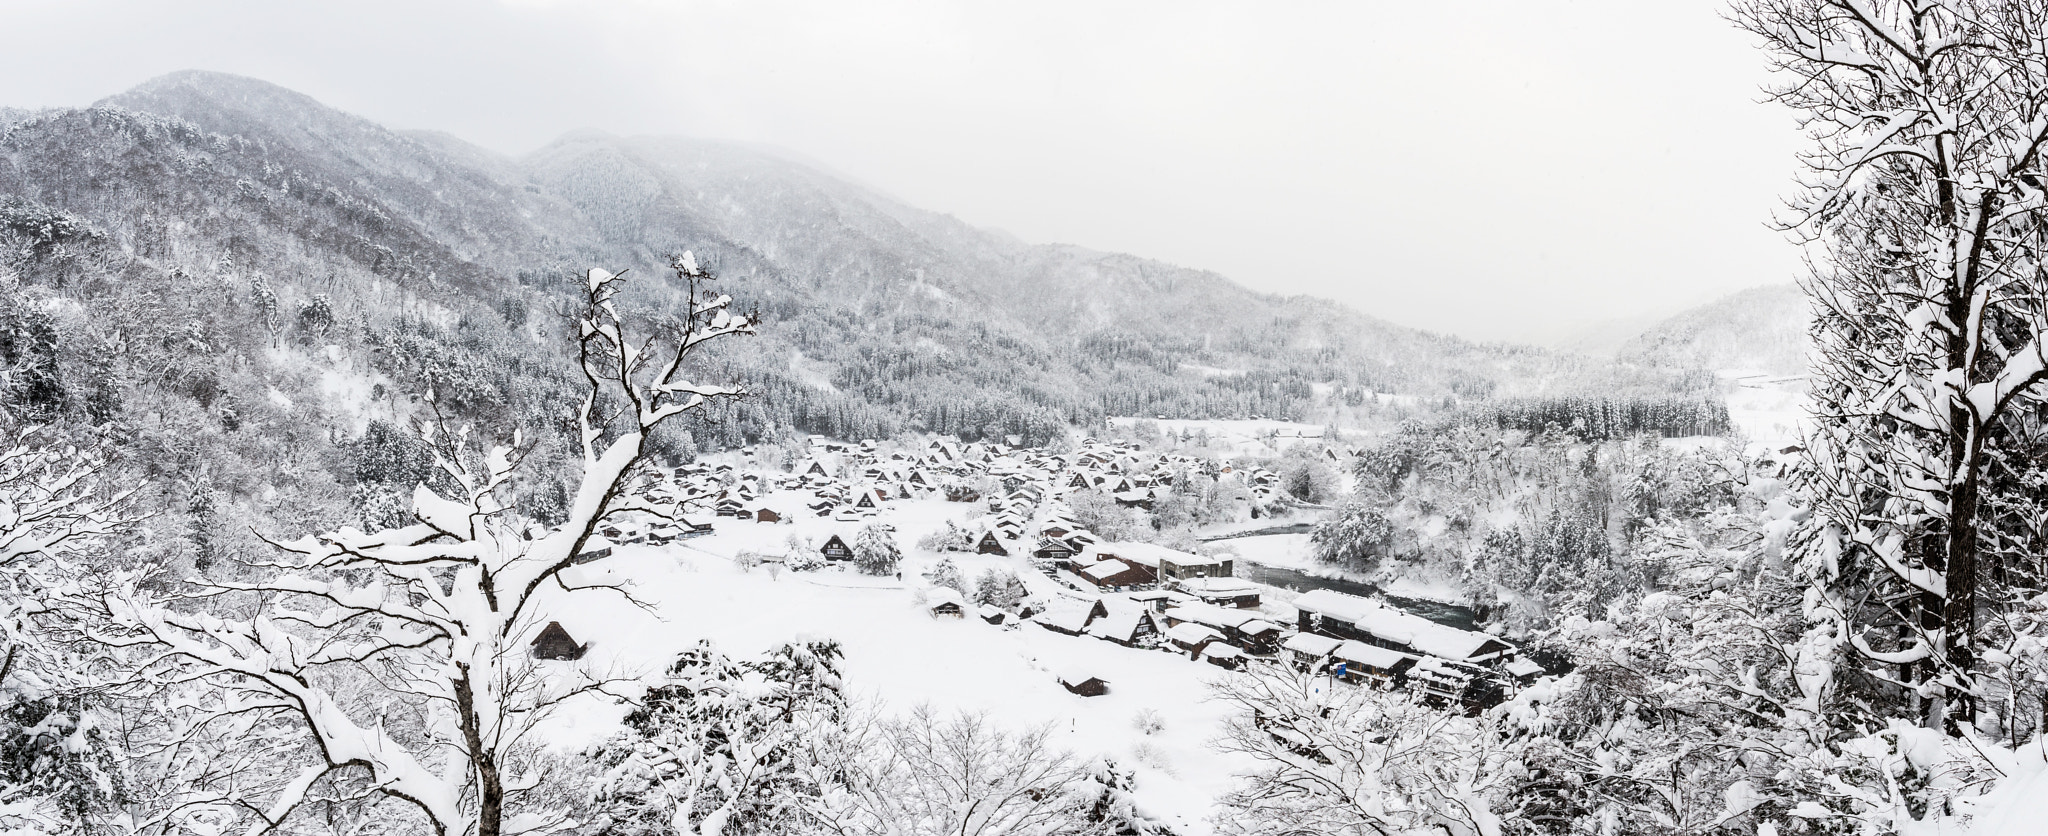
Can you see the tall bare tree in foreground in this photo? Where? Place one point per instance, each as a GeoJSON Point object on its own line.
{"type": "Point", "coordinates": [1923, 198]}
{"type": "Point", "coordinates": [438, 614]}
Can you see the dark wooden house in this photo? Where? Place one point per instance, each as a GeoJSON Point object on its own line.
{"type": "Point", "coordinates": [556, 645]}
{"type": "Point", "coordinates": [836, 549]}
{"type": "Point", "coordinates": [1084, 684]}
{"type": "Point", "coordinates": [990, 544]}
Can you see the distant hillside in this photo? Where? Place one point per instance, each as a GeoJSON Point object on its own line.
{"type": "Point", "coordinates": [1761, 329]}
{"type": "Point", "coordinates": [436, 262]}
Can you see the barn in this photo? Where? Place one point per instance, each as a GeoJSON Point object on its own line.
{"type": "Point", "coordinates": [1084, 684]}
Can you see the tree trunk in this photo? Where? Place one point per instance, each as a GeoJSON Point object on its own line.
{"type": "Point", "coordinates": [490, 786]}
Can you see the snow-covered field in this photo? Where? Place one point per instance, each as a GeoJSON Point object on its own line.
{"type": "Point", "coordinates": [898, 656]}
{"type": "Point", "coordinates": [1766, 408]}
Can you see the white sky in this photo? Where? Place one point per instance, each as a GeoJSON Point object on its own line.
{"type": "Point", "coordinates": [1501, 169]}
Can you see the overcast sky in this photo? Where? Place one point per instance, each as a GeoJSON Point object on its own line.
{"type": "Point", "coordinates": [1501, 169]}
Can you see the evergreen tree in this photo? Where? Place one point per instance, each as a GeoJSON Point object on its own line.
{"type": "Point", "coordinates": [875, 551]}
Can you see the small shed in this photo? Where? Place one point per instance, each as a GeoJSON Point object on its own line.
{"type": "Point", "coordinates": [944, 602]}
{"type": "Point", "coordinates": [767, 515]}
{"type": "Point", "coordinates": [992, 615]}
{"type": "Point", "coordinates": [1084, 684]}
{"type": "Point", "coordinates": [554, 644]}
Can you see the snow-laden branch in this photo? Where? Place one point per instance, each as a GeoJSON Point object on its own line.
{"type": "Point", "coordinates": [442, 611]}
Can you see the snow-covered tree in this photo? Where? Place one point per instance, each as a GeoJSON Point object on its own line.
{"type": "Point", "coordinates": [1113, 811]}
{"type": "Point", "coordinates": [440, 613]}
{"type": "Point", "coordinates": [1924, 199]}
{"type": "Point", "coordinates": [58, 515]}
{"type": "Point", "coordinates": [716, 749]}
{"type": "Point", "coordinates": [950, 538]}
{"type": "Point", "coordinates": [1339, 759]}
{"type": "Point", "coordinates": [930, 775]}
{"type": "Point", "coordinates": [1357, 539]}
{"type": "Point", "coordinates": [946, 573]}
{"type": "Point", "coordinates": [999, 588]}
{"type": "Point", "coordinates": [875, 551]}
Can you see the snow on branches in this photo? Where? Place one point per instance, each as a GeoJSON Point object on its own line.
{"type": "Point", "coordinates": [1334, 758]}
{"type": "Point", "coordinates": [440, 613]}
{"type": "Point", "coordinates": [1924, 203]}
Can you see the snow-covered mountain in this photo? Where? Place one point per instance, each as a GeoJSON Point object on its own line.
{"type": "Point", "coordinates": [1762, 329]}
{"type": "Point", "coordinates": [882, 315]}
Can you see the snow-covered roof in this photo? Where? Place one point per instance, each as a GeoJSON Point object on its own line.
{"type": "Point", "coordinates": [1370, 655]}
{"type": "Point", "coordinates": [1396, 625]}
{"type": "Point", "coordinates": [1191, 633]}
{"type": "Point", "coordinates": [1147, 554]}
{"type": "Point", "coordinates": [1523, 667]}
{"type": "Point", "coordinates": [1219, 650]}
{"type": "Point", "coordinates": [1104, 570]}
{"type": "Point", "coordinates": [1311, 644]}
{"type": "Point", "coordinates": [1070, 619]}
{"type": "Point", "coordinates": [1215, 616]}
{"type": "Point", "coordinates": [1218, 586]}
{"type": "Point", "coordinates": [1121, 624]}
{"type": "Point", "coordinates": [939, 595]}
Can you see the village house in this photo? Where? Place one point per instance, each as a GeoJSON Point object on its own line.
{"type": "Point", "coordinates": [1071, 620]}
{"type": "Point", "coordinates": [945, 602]}
{"type": "Point", "coordinates": [1245, 629]}
{"type": "Point", "coordinates": [1128, 624]}
{"type": "Point", "coordinates": [835, 549]}
{"type": "Point", "coordinates": [1190, 637]}
{"type": "Point", "coordinates": [1360, 663]}
{"type": "Point", "coordinates": [1334, 613]}
{"type": "Point", "coordinates": [1310, 652]}
{"type": "Point", "coordinates": [1178, 565]}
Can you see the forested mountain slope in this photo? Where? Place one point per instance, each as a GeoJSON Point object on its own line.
{"type": "Point", "coordinates": [1763, 329]}
{"type": "Point", "coordinates": [426, 262]}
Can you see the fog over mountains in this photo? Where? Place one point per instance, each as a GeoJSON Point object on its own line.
{"type": "Point", "coordinates": [880, 316]}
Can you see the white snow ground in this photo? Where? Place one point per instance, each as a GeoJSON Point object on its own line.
{"type": "Point", "coordinates": [897, 655]}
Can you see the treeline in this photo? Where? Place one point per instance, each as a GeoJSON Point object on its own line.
{"type": "Point", "coordinates": [1608, 418]}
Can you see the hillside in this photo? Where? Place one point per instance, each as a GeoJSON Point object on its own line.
{"type": "Point", "coordinates": [1761, 330]}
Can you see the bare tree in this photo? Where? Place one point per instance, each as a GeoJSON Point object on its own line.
{"type": "Point", "coordinates": [438, 616]}
{"type": "Point", "coordinates": [1924, 197]}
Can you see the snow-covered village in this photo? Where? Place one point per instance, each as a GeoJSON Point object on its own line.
{"type": "Point", "coordinates": [907, 418]}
